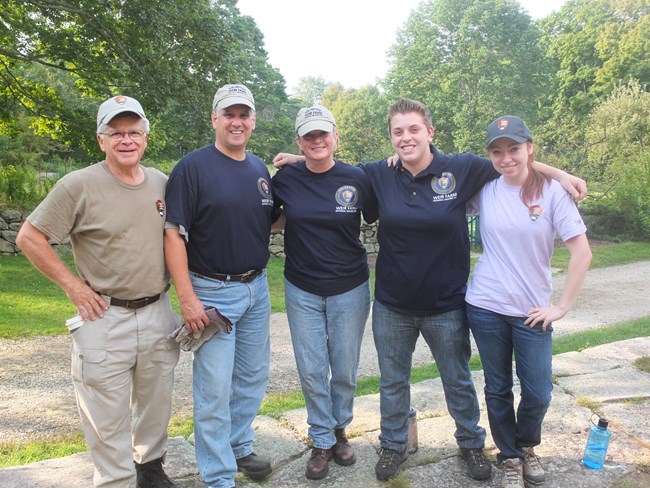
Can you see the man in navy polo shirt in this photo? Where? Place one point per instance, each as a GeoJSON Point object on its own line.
{"type": "Point", "coordinates": [216, 244]}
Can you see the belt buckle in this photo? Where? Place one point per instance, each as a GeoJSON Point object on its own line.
{"type": "Point", "coordinates": [248, 276]}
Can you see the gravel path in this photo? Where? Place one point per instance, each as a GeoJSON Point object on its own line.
{"type": "Point", "coordinates": [36, 396]}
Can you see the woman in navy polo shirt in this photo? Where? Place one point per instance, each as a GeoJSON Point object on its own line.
{"type": "Point", "coordinates": [508, 298]}
{"type": "Point", "coordinates": [327, 290]}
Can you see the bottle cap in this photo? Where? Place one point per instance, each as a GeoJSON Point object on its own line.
{"type": "Point", "coordinates": [603, 422]}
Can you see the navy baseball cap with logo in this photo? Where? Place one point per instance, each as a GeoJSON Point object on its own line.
{"type": "Point", "coordinates": [117, 105]}
{"type": "Point", "coordinates": [508, 126]}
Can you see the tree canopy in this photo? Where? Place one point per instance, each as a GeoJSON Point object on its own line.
{"type": "Point", "coordinates": [169, 54]}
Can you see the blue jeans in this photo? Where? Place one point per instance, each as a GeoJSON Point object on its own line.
{"type": "Point", "coordinates": [447, 336]}
{"type": "Point", "coordinates": [326, 333]}
{"type": "Point", "coordinates": [230, 375]}
{"type": "Point", "coordinates": [497, 337]}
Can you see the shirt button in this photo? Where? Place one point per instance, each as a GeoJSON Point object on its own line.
{"type": "Point", "coordinates": [415, 193]}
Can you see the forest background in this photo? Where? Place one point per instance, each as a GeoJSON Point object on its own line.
{"type": "Point", "coordinates": [579, 77]}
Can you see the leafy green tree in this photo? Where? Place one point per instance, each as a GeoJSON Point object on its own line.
{"type": "Point", "coordinates": [360, 115]}
{"type": "Point", "coordinates": [592, 45]}
{"type": "Point", "coordinates": [170, 54]}
{"type": "Point", "coordinates": [618, 138]}
{"type": "Point", "coordinates": [468, 61]}
{"type": "Point", "coordinates": [310, 90]}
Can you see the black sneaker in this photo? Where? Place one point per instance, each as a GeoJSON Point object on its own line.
{"type": "Point", "coordinates": [254, 466]}
{"type": "Point", "coordinates": [151, 475]}
{"type": "Point", "coordinates": [478, 465]}
{"type": "Point", "coordinates": [389, 462]}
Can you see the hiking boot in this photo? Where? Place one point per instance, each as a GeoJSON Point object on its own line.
{"type": "Point", "coordinates": [343, 452]}
{"type": "Point", "coordinates": [254, 466]}
{"type": "Point", "coordinates": [512, 476]}
{"type": "Point", "coordinates": [389, 462]}
{"type": "Point", "coordinates": [318, 465]}
{"type": "Point", "coordinates": [478, 465]}
{"type": "Point", "coordinates": [533, 470]}
{"type": "Point", "coordinates": [151, 475]}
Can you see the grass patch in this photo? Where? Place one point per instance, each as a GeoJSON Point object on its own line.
{"type": "Point", "coordinates": [642, 364]}
{"type": "Point", "coordinates": [586, 402]}
{"type": "Point", "coordinates": [181, 426]}
{"type": "Point", "coordinates": [604, 335]}
{"type": "Point", "coordinates": [607, 255]}
{"type": "Point", "coordinates": [18, 453]}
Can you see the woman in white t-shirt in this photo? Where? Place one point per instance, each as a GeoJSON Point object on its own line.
{"type": "Point", "coordinates": [508, 298]}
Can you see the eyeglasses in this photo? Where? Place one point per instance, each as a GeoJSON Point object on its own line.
{"type": "Point", "coordinates": [118, 135]}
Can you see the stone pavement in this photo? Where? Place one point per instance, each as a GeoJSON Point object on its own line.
{"type": "Point", "coordinates": [601, 377]}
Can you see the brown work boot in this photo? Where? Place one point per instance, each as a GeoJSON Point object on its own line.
{"type": "Point", "coordinates": [342, 450]}
{"type": "Point", "coordinates": [318, 465]}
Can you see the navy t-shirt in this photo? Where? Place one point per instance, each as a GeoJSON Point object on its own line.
{"type": "Point", "coordinates": [423, 261]}
{"type": "Point", "coordinates": [225, 206]}
{"type": "Point", "coordinates": [324, 255]}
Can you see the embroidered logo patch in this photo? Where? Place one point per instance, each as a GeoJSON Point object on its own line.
{"type": "Point", "coordinates": [444, 184]}
{"type": "Point", "coordinates": [160, 206]}
{"type": "Point", "coordinates": [347, 196]}
{"type": "Point", "coordinates": [534, 212]}
{"type": "Point", "coordinates": [263, 187]}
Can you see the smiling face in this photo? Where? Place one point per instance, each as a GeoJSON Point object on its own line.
{"type": "Point", "coordinates": [410, 136]}
{"type": "Point", "coordinates": [511, 159]}
{"type": "Point", "coordinates": [233, 128]}
{"type": "Point", "coordinates": [318, 146]}
{"type": "Point", "coordinates": [124, 153]}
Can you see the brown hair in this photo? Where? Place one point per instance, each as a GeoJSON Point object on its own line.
{"type": "Point", "coordinates": [533, 187]}
{"type": "Point", "coordinates": [406, 105]}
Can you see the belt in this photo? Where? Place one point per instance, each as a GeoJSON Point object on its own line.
{"type": "Point", "coordinates": [246, 277]}
{"type": "Point", "coordinates": [138, 302]}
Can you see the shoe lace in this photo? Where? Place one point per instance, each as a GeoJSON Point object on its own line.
{"type": "Point", "coordinates": [388, 457]}
{"type": "Point", "coordinates": [511, 473]}
{"type": "Point", "coordinates": [532, 459]}
{"type": "Point", "coordinates": [478, 457]}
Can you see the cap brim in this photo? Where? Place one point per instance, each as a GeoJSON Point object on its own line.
{"type": "Point", "coordinates": [230, 101]}
{"type": "Point", "coordinates": [111, 115]}
{"type": "Point", "coordinates": [323, 125]}
{"type": "Point", "coordinates": [517, 139]}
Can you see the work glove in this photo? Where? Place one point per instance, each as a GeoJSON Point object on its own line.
{"type": "Point", "coordinates": [192, 341]}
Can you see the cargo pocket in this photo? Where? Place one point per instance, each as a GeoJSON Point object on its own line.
{"type": "Point", "coordinates": [87, 365]}
{"type": "Point", "coordinates": [166, 356]}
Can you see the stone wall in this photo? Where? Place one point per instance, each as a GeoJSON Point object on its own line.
{"type": "Point", "coordinates": [368, 237]}
{"type": "Point", "coordinates": [11, 220]}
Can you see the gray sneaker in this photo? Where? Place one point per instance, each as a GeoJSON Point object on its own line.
{"type": "Point", "coordinates": [533, 470]}
{"type": "Point", "coordinates": [512, 473]}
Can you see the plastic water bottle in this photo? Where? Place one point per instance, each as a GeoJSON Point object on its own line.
{"type": "Point", "coordinates": [412, 443]}
{"type": "Point", "coordinates": [597, 444]}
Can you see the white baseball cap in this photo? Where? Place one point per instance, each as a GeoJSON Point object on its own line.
{"type": "Point", "coordinates": [117, 105]}
{"type": "Point", "coordinates": [229, 95]}
{"type": "Point", "coordinates": [314, 118]}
